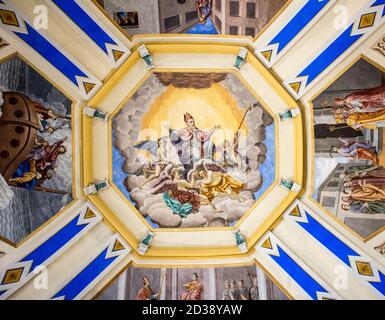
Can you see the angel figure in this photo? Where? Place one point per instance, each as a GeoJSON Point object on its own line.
{"type": "Point", "coordinates": [163, 153]}
{"type": "Point", "coordinates": [178, 194]}
{"type": "Point", "coordinates": [215, 181]}
{"type": "Point", "coordinates": [154, 170]}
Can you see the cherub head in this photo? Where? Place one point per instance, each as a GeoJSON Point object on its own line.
{"type": "Point", "coordinates": [62, 150]}
{"type": "Point", "coordinates": [346, 199]}
{"type": "Point", "coordinates": [202, 173]}
{"type": "Point", "coordinates": [175, 174]}
{"type": "Point", "coordinates": [347, 184]}
{"type": "Point", "coordinates": [52, 115]}
{"type": "Point", "coordinates": [50, 173]}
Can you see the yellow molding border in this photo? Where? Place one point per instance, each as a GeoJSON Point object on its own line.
{"type": "Point", "coordinates": [310, 189]}
{"type": "Point", "coordinates": [74, 109]}
{"type": "Point", "coordinates": [193, 252]}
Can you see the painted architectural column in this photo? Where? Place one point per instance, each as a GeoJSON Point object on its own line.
{"type": "Point", "coordinates": [122, 286]}
{"type": "Point", "coordinates": [261, 280]}
{"type": "Point", "coordinates": [162, 285]}
{"type": "Point", "coordinates": [174, 284]}
{"type": "Point", "coordinates": [210, 288]}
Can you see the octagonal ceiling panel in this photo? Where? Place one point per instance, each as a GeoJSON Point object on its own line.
{"type": "Point", "coordinates": [35, 150]}
{"type": "Point", "coordinates": [193, 149]}
{"type": "Point", "coordinates": [349, 156]}
{"type": "Point", "coordinates": [208, 189]}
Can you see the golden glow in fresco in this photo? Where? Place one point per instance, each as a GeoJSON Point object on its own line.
{"type": "Point", "coordinates": [203, 104]}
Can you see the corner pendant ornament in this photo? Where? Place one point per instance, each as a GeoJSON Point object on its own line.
{"type": "Point", "coordinates": [145, 244]}
{"type": "Point", "coordinates": [241, 58]}
{"type": "Point", "coordinates": [95, 113]}
{"type": "Point", "coordinates": [145, 54]}
{"type": "Point", "coordinates": [290, 185]}
{"type": "Point", "coordinates": [96, 188]}
{"type": "Point", "coordinates": [241, 241]}
{"type": "Point", "coordinates": [290, 114]}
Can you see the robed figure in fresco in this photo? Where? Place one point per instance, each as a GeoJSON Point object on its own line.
{"type": "Point", "coordinates": [146, 293]}
{"type": "Point", "coordinates": [364, 189]}
{"type": "Point", "coordinates": [362, 109]}
{"type": "Point", "coordinates": [356, 150]}
{"type": "Point", "coordinates": [215, 181]}
{"type": "Point", "coordinates": [359, 120]}
{"type": "Point", "coordinates": [193, 289]}
{"type": "Point", "coordinates": [193, 144]}
{"type": "Point", "coordinates": [371, 100]}
{"type": "Point", "coordinates": [178, 194]}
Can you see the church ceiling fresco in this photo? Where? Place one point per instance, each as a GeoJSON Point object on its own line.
{"type": "Point", "coordinates": [200, 145]}
{"type": "Point", "coordinates": [349, 143]}
{"type": "Point", "coordinates": [192, 150]}
{"type": "Point", "coordinates": [35, 150]}
{"type": "Point", "coordinates": [229, 284]}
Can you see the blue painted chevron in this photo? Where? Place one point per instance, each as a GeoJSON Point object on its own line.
{"type": "Point", "coordinates": [51, 54]}
{"type": "Point", "coordinates": [53, 244]}
{"type": "Point", "coordinates": [303, 17]}
{"type": "Point", "coordinates": [328, 239]}
{"type": "Point", "coordinates": [334, 50]}
{"type": "Point", "coordinates": [304, 280]}
{"type": "Point", "coordinates": [85, 277]}
{"type": "Point", "coordinates": [81, 18]}
{"type": "Point", "coordinates": [336, 246]}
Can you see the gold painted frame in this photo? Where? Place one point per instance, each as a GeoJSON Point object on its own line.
{"type": "Point", "coordinates": [189, 251]}
{"type": "Point", "coordinates": [73, 150]}
{"type": "Point", "coordinates": [310, 189]}
{"type": "Point", "coordinates": [254, 263]}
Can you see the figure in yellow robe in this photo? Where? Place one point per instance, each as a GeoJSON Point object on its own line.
{"type": "Point", "coordinates": [217, 183]}
{"type": "Point", "coordinates": [368, 120]}
{"type": "Point", "coordinates": [366, 192]}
